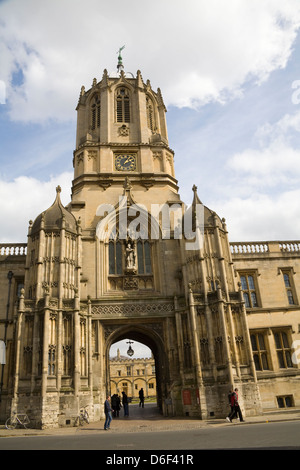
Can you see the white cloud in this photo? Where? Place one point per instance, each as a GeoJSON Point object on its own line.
{"type": "Point", "coordinates": [195, 52]}
{"type": "Point", "coordinates": [278, 164]}
{"type": "Point", "coordinates": [262, 217]}
{"type": "Point", "coordinates": [262, 185]}
{"type": "Point", "coordinates": [275, 161]}
{"type": "Point", "coordinates": [25, 198]}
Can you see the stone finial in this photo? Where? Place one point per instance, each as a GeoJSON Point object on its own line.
{"type": "Point", "coordinates": [127, 185]}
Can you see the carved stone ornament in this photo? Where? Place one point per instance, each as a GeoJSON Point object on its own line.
{"type": "Point", "coordinates": [123, 131]}
{"type": "Point", "coordinates": [130, 283]}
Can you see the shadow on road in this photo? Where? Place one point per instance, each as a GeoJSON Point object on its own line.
{"type": "Point", "coordinates": [149, 412]}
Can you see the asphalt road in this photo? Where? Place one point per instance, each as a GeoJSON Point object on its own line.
{"type": "Point", "coordinates": [263, 436]}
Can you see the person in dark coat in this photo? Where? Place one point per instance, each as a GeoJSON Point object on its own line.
{"type": "Point", "coordinates": [125, 404]}
{"type": "Point", "coordinates": [142, 398]}
{"type": "Point", "coordinates": [118, 405]}
{"type": "Point", "coordinates": [114, 405]}
{"type": "Point", "coordinates": [107, 411]}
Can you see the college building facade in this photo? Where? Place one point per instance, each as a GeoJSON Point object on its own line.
{"type": "Point", "coordinates": [129, 375]}
{"type": "Point", "coordinates": [128, 259]}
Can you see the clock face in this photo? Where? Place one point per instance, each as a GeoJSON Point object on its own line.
{"type": "Point", "coordinates": [125, 162]}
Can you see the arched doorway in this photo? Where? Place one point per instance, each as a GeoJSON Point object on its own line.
{"type": "Point", "coordinates": [149, 337]}
{"type": "Point", "coordinates": [132, 369]}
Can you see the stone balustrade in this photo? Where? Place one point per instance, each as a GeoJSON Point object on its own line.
{"type": "Point", "coordinates": [243, 248]}
{"type": "Point", "coordinates": [17, 249]}
{"type": "Point", "coordinates": [13, 249]}
{"type": "Point", "coordinates": [290, 246]}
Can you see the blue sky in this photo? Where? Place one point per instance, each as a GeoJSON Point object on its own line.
{"type": "Point", "coordinates": [226, 71]}
{"type": "Point", "coordinates": [226, 80]}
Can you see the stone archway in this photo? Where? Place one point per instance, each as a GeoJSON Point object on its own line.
{"type": "Point", "coordinates": [148, 335]}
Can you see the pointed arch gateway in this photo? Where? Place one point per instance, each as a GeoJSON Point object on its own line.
{"type": "Point", "coordinates": [132, 311]}
{"type": "Point", "coordinates": [149, 335]}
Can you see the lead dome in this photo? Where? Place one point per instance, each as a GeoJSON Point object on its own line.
{"type": "Point", "coordinates": [53, 217]}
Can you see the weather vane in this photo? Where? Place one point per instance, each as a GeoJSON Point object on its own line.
{"type": "Point", "coordinates": [120, 63]}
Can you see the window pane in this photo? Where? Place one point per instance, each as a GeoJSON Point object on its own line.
{"type": "Point", "coordinates": [261, 342]}
{"type": "Point", "coordinates": [286, 280]}
{"type": "Point", "coordinates": [256, 362]}
{"type": "Point", "coordinates": [126, 110]}
{"type": "Point", "coordinates": [285, 340]}
{"type": "Point", "coordinates": [253, 299]}
{"type": "Point", "coordinates": [147, 257]}
{"type": "Point", "coordinates": [288, 359]}
{"type": "Point", "coordinates": [280, 402]}
{"type": "Point", "coordinates": [246, 299]}
{"type": "Point", "coordinates": [93, 117]}
{"type": "Point", "coordinates": [251, 282]}
{"type": "Point", "coordinates": [253, 342]}
{"type": "Point", "coordinates": [140, 258]}
{"type": "Point", "coordinates": [244, 283]}
{"type": "Point", "coordinates": [119, 111]}
{"type": "Point", "coordinates": [111, 258]}
{"type": "Point", "coordinates": [288, 402]}
{"type": "Point", "coordinates": [264, 361]}
{"type": "Point", "coordinates": [98, 115]}
{"type": "Point", "coordinates": [290, 297]}
{"type": "Point", "coordinates": [119, 257]}
{"type": "Point", "coordinates": [277, 340]}
{"type": "Point", "coordinates": [280, 359]}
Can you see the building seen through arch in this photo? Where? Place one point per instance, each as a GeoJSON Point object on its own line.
{"type": "Point", "coordinates": [126, 258]}
{"type": "Point", "coordinates": [131, 374]}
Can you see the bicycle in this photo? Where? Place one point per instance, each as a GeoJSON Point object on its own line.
{"type": "Point", "coordinates": [17, 419]}
{"type": "Point", "coordinates": [83, 417]}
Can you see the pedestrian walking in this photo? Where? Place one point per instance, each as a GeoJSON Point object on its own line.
{"type": "Point", "coordinates": [237, 406]}
{"type": "Point", "coordinates": [125, 404]}
{"type": "Point", "coordinates": [230, 415]}
{"type": "Point", "coordinates": [142, 398]}
{"type": "Point", "coordinates": [236, 412]}
{"type": "Point", "coordinates": [108, 413]}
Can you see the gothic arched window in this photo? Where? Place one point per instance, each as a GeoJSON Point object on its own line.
{"type": "Point", "coordinates": [95, 113]}
{"type": "Point", "coordinates": [150, 114]}
{"type": "Point", "coordinates": [122, 105]}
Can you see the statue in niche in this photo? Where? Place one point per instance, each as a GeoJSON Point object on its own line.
{"type": "Point", "coordinates": [130, 256]}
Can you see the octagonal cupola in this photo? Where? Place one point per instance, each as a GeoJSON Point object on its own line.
{"type": "Point", "coordinates": [52, 254]}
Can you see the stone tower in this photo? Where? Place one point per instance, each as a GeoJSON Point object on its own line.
{"type": "Point", "coordinates": [127, 259]}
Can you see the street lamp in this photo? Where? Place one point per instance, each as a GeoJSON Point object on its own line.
{"type": "Point", "coordinates": [130, 351]}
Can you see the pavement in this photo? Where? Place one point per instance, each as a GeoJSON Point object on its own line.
{"type": "Point", "coordinates": [148, 419]}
